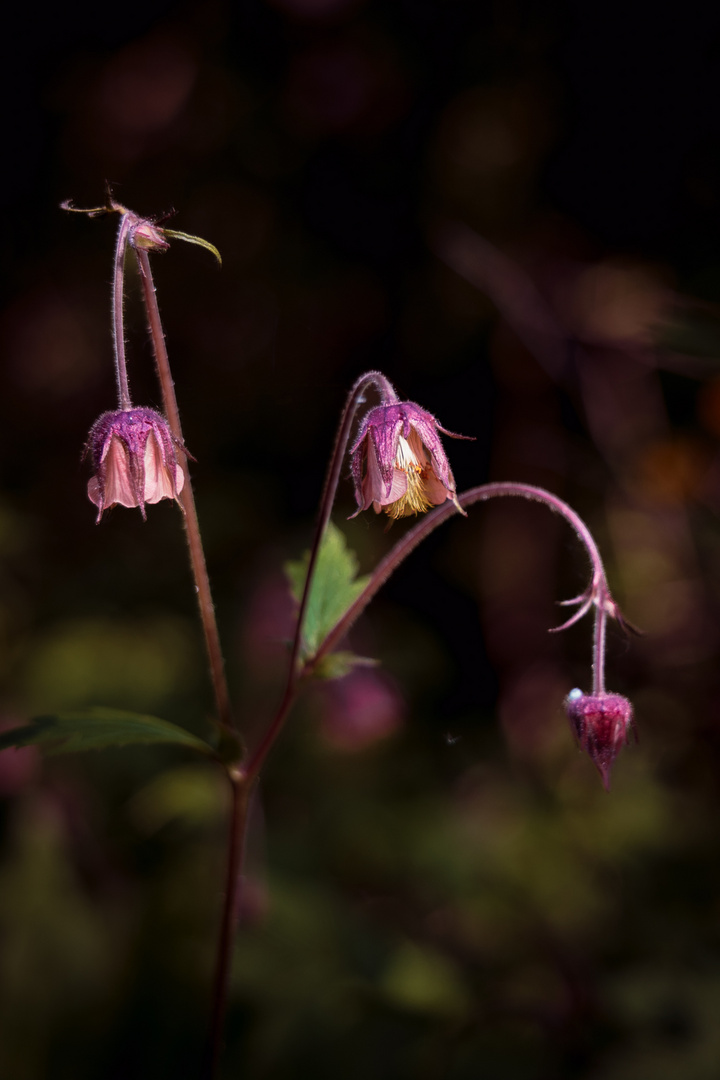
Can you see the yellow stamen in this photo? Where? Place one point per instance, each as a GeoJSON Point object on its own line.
{"type": "Point", "coordinates": [415, 500]}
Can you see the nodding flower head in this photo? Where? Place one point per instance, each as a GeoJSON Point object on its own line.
{"type": "Point", "coordinates": [601, 723]}
{"type": "Point", "coordinates": [398, 461]}
{"type": "Point", "coordinates": [134, 460]}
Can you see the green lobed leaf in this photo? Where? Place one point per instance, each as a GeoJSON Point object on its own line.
{"type": "Point", "coordinates": [97, 729]}
{"type": "Point", "coordinates": [335, 587]}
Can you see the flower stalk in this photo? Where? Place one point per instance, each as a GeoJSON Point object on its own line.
{"type": "Point", "coordinates": [133, 453]}
{"type": "Point", "coordinates": [143, 236]}
{"type": "Point", "coordinates": [398, 465]}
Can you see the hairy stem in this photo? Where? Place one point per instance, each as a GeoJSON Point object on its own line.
{"type": "Point", "coordinates": [598, 667]}
{"type": "Point", "coordinates": [192, 527]}
{"type": "Point", "coordinates": [436, 517]}
{"type": "Point", "coordinates": [118, 323]}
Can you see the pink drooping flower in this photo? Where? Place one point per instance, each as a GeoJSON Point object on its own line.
{"type": "Point", "coordinates": [602, 723]}
{"type": "Point", "coordinates": [398, 461]}
{"type": "Point", "coordinates": [134, 459]}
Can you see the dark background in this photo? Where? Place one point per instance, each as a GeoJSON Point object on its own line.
{"type": "Point", "coordinates": [437, 885]}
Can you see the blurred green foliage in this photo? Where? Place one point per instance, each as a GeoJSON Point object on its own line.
{"type": "Point", "coordinates": [98, 729]}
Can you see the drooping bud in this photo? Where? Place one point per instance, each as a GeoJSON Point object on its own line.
{"type": "Point", "coordinates": [601, 723]}
{"type": "Point", "coordinates": [134, 459]}
{"type": "Point", "coordinates": [398, 461]}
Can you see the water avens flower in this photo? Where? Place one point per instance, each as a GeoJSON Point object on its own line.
{"type": "Point", "coordinates": [601, 723]}
{"type": "Point", "coordinates": [134, 460]}
{"type": "Point", "coordinates": [398, 461]}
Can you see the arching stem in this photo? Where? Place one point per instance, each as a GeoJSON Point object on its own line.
{"type": "Point", "coordinates": [295, 671]}
{"type": "Point", "coordinates": [598, 593]}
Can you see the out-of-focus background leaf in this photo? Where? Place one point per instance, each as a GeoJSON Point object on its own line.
{"type": "Point", "coordinates": [99, 729]}
{"type": "Point", "coordinates": [514, 211]}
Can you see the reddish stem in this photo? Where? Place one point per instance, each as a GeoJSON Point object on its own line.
{"type": "Point", "coordinates": [118, 300]}
{"type": "Point", "coordinates": [187, 498]}
{"type": "Point", "coordinates": [602, 599]}
{"type": "Point", "coordinates": [236, 842]}
{"type": "Point", "coordinates": [598, 668]}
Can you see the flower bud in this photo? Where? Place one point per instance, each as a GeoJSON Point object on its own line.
{"type": "Point", "coordinates": [601, 723]}
{"type": "Point", "coordinates": [148, 237]}
{"type": "Point", "coordinates": [133, 454]}
{"type": "Point", "coordinates": [398, 461]}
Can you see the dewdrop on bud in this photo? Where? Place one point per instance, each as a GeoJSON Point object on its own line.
{"type": "Point", "coordinates": [601, 723]}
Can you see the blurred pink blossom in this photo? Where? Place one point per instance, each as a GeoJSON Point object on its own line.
{"type": "Point", "coordinates": [360, 710]}
{"type": "Point", "coordinates": [18, 767]}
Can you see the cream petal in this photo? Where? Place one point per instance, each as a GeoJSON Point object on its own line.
{"type": "Point", "coordinates": [434, 490]}
{"type": "Point", "coordinates": [158, 477]}
{"type": "Point", "coordinates": [417, 450]}
{"type": "Point", "coordinates": [398, 488]}
{"type": "Point", "coordinates": [118, 479]}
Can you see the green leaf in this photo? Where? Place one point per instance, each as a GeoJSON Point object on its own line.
{"type": "Point", "coordinates": [335, 587]}
{"type": "Point", "coordinates": [97, 729]}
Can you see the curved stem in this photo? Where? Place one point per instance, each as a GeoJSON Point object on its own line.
{"type": "Point", "coordinates": [233, 879]}
{"type": "Point", "coordinates": [355, 398]}
{"type": "Point", "coordinates": [187, 498]}
{"type": "Point", "coordinates": [416, 535]}
{"type": "Point", "coordinates": [118, 298]}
